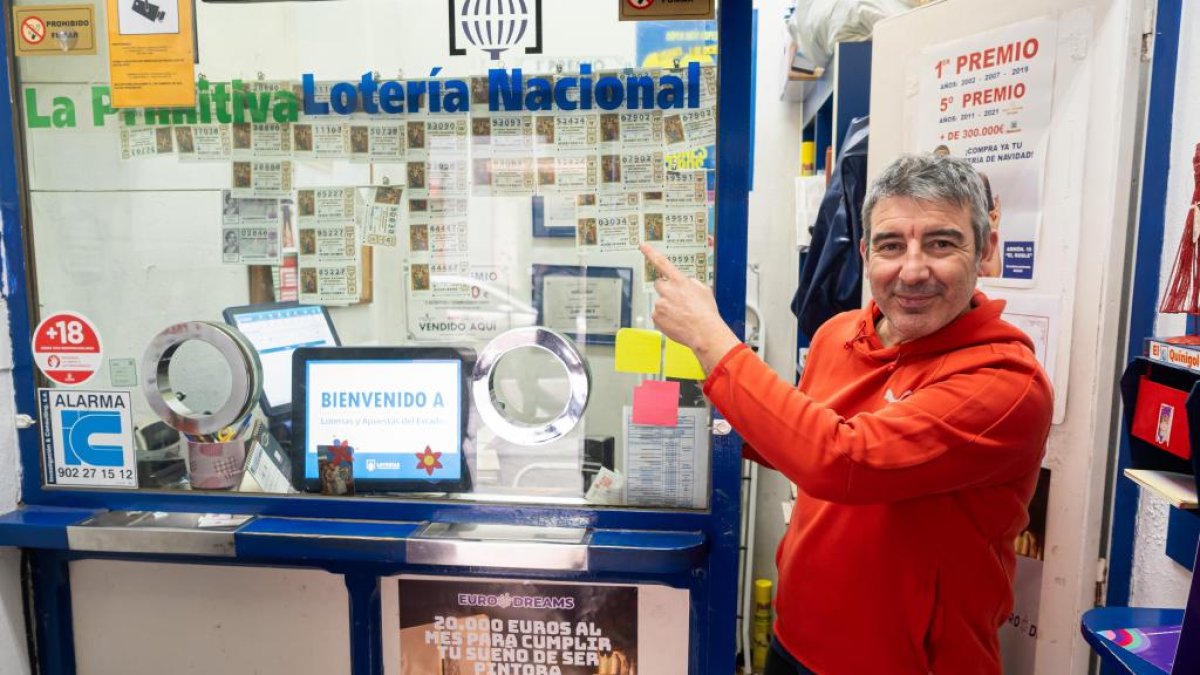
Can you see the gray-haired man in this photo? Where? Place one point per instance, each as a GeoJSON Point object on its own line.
{"type": "Point", "coordinates": [915, 437]}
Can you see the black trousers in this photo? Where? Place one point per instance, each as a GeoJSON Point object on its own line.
{"type": "Point", "coordinates": [780, 662]}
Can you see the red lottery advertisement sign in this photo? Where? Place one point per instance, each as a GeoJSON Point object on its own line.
{"type": "Point", "coordinates": [66, 348]}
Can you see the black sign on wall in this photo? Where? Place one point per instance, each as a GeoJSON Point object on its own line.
{"type": "Point", "coordinates": [495, 26]}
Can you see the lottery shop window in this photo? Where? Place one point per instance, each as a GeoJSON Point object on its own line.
{"type": "Point", "coordinates": [423, 184]}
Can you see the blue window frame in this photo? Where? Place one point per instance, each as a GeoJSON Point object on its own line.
{"type": "Point", "coordinates": [711, 580]}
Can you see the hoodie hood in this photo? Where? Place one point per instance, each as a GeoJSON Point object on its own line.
{"type": "Point", "coordinates": [981, 324]}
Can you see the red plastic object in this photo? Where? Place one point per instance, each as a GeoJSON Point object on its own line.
{"type": "Point", "coordinates": [1159, 417]}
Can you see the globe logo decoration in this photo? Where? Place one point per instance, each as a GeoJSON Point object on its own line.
{"type": "Point", "coordinates": [495, 25]}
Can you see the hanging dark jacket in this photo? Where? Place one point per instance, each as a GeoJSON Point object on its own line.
{"type": "Point", "coordinates": [831, 272]}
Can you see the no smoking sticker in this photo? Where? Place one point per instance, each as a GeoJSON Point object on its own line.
{"type": "Point", "coordinates": [649, 10]}
{"type": "Point", "coordinates": [33, 30]}
{"type": "Point", "coordinates": [54, 30]}
{"type": "Point", "coordinates": [66, 348]}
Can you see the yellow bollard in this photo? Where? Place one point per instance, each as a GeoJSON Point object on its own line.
{"type": "Point", "coordinates": [762, 624]}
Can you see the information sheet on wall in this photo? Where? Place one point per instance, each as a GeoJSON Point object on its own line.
{"type": "Point", "coordinates": [988, 99]}
{"type": "Point", "coordinates": [151, 53]}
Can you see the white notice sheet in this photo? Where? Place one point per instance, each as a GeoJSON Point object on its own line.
{"type": "Point", "coordinates": [667, 466]}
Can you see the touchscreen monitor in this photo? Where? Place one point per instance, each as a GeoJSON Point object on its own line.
{"type": "Point", "coordinates": [276, 330]}
{"type": "Point", "coordinates": [402, 410]}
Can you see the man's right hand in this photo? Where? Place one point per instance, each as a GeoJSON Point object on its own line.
{"type": "Point", "coordinates": [687, 313]}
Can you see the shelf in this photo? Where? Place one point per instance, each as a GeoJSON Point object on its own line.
{"type": "Point", "coordinates": [804, 88]}
{"type": "Point", "coordinates": [797, 86]}
{"type": "Point", "coordinates": [1178, 489]}
{"type": "Point", "coordinates": [318, 542]}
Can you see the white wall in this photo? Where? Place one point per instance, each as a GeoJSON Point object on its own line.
{"type": "Point", "coordinates": [1088, 181]}
{"type": "Point", "coordinates": [772, 246]}
{"type": "Point", "coordinates": [1158, 581]}
{"type": "Point", "coordinates": [151, 618]}
{"type": "Point", "coordinates": [13, 654]}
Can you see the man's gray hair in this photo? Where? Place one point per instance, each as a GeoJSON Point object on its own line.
{"type": "Point", "coordinates": [931, 178]}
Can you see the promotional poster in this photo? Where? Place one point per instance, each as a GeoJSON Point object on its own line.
{"type": "Point", "coordinates": [469, 627]}
{"type": "Point", "coordinates": [988, 99]}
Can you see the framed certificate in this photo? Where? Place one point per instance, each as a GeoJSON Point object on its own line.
{"type": "Point", "coordinates": [554, 216]}
{"type": "Point", "coordinates": [590, 304]}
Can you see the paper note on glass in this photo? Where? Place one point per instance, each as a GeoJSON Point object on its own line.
{"type": "Point", "coordinates": [679, 362]}
{"type": "Point", "coordinates": [638, 351]}
{"type": "Point", "coordinates": [656, 402]}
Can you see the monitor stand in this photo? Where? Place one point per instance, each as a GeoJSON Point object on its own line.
{"type": "Point", "coordinates": [281, 429]}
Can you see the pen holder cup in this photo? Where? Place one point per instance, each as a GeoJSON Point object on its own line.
{"type": "Point", "coordinates": [216, 466]}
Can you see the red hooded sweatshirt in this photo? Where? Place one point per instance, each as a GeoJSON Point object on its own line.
{"type": "Point", "coordinates": [915, 465]}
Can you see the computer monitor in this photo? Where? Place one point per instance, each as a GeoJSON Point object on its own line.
{"type": "Point", "coordinates": [403, 411]}
{"type": "Point", "coordinates": [276, 330]}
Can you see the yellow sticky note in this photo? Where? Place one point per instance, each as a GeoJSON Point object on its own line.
{"type": "Point", "coordinates": [639, 351]}
{"type": "Point", "coordinates": [681, 363]}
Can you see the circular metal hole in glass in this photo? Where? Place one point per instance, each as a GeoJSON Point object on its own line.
{"type": "Point", "coordinates": [200, 377]}
{"type": "Point", "coordinates": [199, 381]}
{"type": "Point", "coordinates": [518, 412]}
{"type": "Point", "coordinates": [530, 386]}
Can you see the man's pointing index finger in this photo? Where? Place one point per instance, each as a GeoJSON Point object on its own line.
{"type": "Point", "coordinates": [665, 269]}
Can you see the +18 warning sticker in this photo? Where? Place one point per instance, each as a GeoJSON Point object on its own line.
{"type": "Point", "coordinates": [87, 438]}
{"type": "Point", "coordinates": [66, 348]}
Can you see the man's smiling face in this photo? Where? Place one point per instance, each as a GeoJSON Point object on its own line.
{"type": "Point", "coordinates": [922, 263]}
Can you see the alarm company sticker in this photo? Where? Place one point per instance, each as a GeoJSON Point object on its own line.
{"type": "Point", "coordinates": [87, 438]}
{"type": "Point", "coordinates": [66, 348]}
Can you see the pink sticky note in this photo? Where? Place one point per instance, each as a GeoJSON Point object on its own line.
{"type": "Point", "coordinates": [656, 402]}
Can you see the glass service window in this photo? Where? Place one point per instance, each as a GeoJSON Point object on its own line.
{"type": "Point", "coordinates": [371, 183]}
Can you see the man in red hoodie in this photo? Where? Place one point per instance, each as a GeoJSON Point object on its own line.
{"type": "Point", "coordinates": [915, 437]}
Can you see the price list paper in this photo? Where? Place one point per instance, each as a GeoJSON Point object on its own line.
{"type": "Point", "coordinates": [667, 466]}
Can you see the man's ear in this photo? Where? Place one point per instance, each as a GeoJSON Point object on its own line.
{"type": "Point", "coordinates": [862, 248]}
{"type": "Point", "coordinates": [990, 245]}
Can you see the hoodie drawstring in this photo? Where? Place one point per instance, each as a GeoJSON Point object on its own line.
{"type": "Point", "coordinates": [858, 336]}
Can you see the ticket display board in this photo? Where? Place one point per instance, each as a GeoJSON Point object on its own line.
{"type": "Point", "coordinates": [429, 184]}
